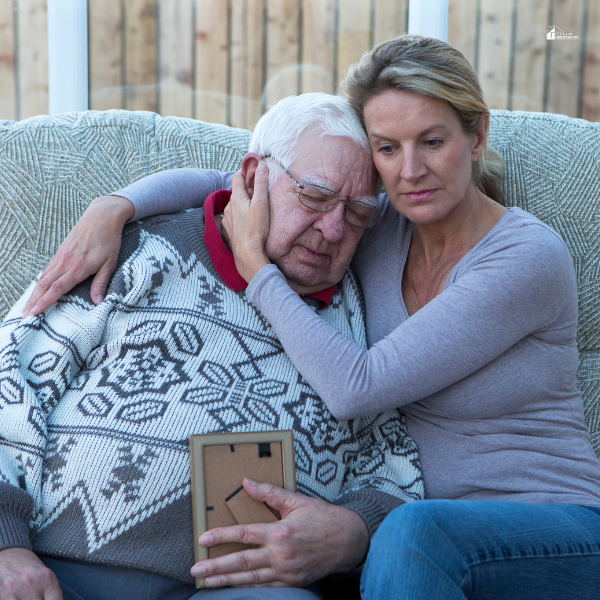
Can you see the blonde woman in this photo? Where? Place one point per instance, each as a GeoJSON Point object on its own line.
{"type": "Point", "coordinates": [471, 324]}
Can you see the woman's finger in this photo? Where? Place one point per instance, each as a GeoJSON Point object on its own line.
{"type": "Point", "coordinates": [238, 188]}
{"type": "Point", "coordinates": [47, 278]}
{"type": "Point", "coordinates": [54, 286]}
{"type": "Point", "coordinates": [101, 281]}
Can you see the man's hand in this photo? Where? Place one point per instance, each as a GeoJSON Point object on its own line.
{"type": "Point", "coordinates": [312, 540]}
{"type": "Point", "coordinates": [246, 222]}
{"type": "Point", "coordinates": [23, 576]}
{"type": "Point", "coordinates": [92, 246]}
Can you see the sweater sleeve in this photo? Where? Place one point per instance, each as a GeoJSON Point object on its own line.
{"type": "Point", "coordinates": [520, 288]}
{"type": "Point", "coordinates": [39, 359]}
{"type": "Point", "coordinates": [173, 190]}
{"type": "Point", "coordinates": [385, 472]}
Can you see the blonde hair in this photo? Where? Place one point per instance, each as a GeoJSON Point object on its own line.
{"type": "Point", "coordinates": [428, 67]}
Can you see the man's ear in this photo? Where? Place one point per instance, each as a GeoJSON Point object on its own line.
{"type": "Point", "coordinates": [248, 169]}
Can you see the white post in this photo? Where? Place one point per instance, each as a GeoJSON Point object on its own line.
{"type": "Point", "coordinates": [67, 56]}
{"type": "Point", "coordinates": [428, 18]}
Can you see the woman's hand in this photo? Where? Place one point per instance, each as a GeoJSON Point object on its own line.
{"type": "Point", "coordinates": [92, 246]}
{"type": "Point", "coordinates": [312, 540]}
{"type": "Point", "coordinates": [246, 222]}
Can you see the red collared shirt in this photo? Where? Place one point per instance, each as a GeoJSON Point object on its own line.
{"type": "Point", "coordinates": [221, 257]}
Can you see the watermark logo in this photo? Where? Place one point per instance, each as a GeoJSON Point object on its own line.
{"type": "Point", "coordinates": [556, 33]}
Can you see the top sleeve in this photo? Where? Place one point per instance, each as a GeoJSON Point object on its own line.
{"type": "Point", "coordinates": [173, 190]}
{"type": "Point", "coordinates": [502, 297]}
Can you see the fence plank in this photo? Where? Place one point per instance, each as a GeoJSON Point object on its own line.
{"type": "Point", "coordinates": [282, 49]}
{"type": "Point", "coordinates": [8, 90]}
{"type": "Point", "coordinates": [462, 27]}
{"type": "Point", "coordinates": [354, 33]}
{"type": "Point", "coordinates": [590, 105]}
{"type": "Point", "coordinates": [33, 57]}
{"type": "Point", "coordinates": [318, 46]}
{"type": "Point", "coordinates": [247, 23]}
{"type": "Point", "coordinates": [211, 61]}
{"type": "Point", "coordinates": [494, 51]}
{"type": "Point", "coordinates": [530, 55]}
{"type": "Point", "coordinates": [565, 59]}
{"type": "Point", "coordinates": [391, 19]}
{"type": "Point", "coordinates": [176, 46]}
{"type": "Point", "coordinates": [140, 55]}
{"type": "Point", "coordinates": [105, 54]}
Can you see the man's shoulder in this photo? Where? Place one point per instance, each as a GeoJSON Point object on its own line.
{"type": "Point", "coordinates": [182, 231]}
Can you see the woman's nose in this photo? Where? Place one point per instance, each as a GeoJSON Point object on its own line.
{"type": "Point", "coordinates": [413, 167]}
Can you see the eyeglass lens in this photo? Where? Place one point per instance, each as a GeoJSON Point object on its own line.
{"type": "Point", "coordinates": [357, 213]}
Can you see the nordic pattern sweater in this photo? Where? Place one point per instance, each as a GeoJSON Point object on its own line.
{"type": "Point", "coordinates": [97, 403]}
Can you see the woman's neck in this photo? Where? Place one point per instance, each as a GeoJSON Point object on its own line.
{"type": "Point", "coordinates": [436, 248]}
{"type": "Point", "coordinates": [454, 235]}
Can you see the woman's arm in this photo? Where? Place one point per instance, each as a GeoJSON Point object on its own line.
{"type": "Point", "coordinates": [92, 246]}
{"type": "Point", "coordinates": [505, 297]}
{"type": "Point", "coordinates": [520, 285]}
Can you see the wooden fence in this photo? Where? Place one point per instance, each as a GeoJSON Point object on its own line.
{"type": "Point", "coordinates": [225, 60]}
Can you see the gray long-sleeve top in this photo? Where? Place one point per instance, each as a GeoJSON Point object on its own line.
{"type": "Point", "coordinates": [485, 372]}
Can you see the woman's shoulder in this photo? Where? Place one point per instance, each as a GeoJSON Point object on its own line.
{"type": "Point", "coordinates": [521, 231]}
{"type": "Point", "coordinates": [522, 248]}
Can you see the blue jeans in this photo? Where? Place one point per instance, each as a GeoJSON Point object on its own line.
{"type": "Point", "coordinates": [457, 549]}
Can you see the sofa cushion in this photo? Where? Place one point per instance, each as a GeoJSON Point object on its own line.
{"type": "Point", "coordinates": [51, 168]}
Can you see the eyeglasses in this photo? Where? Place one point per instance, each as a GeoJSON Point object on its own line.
{"type": "Point", "coordinates": [320, 199]}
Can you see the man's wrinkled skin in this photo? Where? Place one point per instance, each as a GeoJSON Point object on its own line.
{"type": "Point", "coordinates": [23, 576]}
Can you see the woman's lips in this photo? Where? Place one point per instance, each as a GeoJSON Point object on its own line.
{"type": "Point", "coordinates": [420, 195]}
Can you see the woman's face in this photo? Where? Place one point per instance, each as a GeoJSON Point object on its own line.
{"type": "Point", "coordinates": [422, 154]}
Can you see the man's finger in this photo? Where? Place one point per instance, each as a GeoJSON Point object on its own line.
{"type": "Point", "coordinates": [54, 593]}
{"type": "Point", "coordinates": [245, 560]}
{"type": "Point", "coordinates": [263, 577]}
{"type": "Point", "coordinates": [244, 534]}
{"type": "Point", "coordinates": [276, 497]}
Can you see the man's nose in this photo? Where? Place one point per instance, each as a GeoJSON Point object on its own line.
{"type": "Point", "coordinates": [332, 224]}
{"type": "Point", "coordinates": [413, 167]}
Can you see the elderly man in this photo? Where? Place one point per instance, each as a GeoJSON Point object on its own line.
{"type": "Point", "coordinates": [98, 400]}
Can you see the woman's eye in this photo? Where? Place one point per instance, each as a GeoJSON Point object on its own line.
{"type": "Point", "coordinates": [433, 143]}
{"type": "Point", "coordinates": [386, 149]}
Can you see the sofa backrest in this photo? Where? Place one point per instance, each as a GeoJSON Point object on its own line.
{"type": "Point", "coordinates": [52, 167]}
{"type": "Point", "coordinates": [553, 171]}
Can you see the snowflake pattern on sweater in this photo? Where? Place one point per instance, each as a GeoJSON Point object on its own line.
{"type": "Point", "coordinates": [97, 403]}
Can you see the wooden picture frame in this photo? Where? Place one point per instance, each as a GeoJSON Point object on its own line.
{"type": "Point", "coordinates": [218, 462]}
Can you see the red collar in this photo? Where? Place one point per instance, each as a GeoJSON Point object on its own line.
{"type": "Point", "coordinates": [221, 257]}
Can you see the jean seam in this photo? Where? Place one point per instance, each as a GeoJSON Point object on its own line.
{"type": "Point", "coordinates": [544, 557]}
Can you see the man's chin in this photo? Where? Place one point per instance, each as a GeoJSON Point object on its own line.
{"type": "Point", "coordinates": [311, 283]}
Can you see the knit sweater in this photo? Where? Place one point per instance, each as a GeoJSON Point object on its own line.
{"type": "Point", "coordinates": [97, 403]}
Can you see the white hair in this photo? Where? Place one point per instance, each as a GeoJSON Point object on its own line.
{"type": "Point", "coordinates": [278, 131]}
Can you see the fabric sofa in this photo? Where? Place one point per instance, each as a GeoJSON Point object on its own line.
{"type": "Point", "coordinates": [52, 167]}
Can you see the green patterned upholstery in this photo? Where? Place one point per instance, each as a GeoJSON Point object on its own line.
{"type": "Point", "coordinates": [52, 167]}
